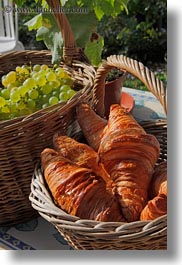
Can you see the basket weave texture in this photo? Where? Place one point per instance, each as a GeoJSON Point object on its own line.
{"type": "Point", "coordinates": [90, 234]}
{"type": "Point", "coordinates": [22, 139]}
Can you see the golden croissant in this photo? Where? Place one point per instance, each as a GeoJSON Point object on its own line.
{"type": "Point", "coordinates": [157, 206]}
{"type": "Point", "coordinates": [77, 190]}
{"type": "Point", "coordinates": [159, 180]}
{"type": "Point", "coordinates": [81, 154]}
{"type": "Point", "coordinates": [129, 155]}
{"type": "Point", "coordinates": [92, 125]}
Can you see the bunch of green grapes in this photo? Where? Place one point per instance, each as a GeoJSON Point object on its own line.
{"type": "Point", "coordinates": [31, 88]}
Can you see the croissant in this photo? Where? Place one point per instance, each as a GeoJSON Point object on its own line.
{"type": "Point", "coordinates": [77, 190]}
{"type": "Point", "coordinates": [129, 155]}
{"type": "Point", "coordinates": [83, 155]}
{"type": "Point", "coordinates": [159, 180]}
{"type": "Point", "coordinates": [91, 124]}
{"type": "Point", "coordinates": [155, 208]}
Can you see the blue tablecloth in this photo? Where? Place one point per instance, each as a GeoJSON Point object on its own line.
{"type": "Point", "coordinates": [38, 234]}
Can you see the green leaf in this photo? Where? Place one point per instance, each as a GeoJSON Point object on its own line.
{"type": "Point", "coordinates": [49, 32]}
{"type": "Point", "coordinates": [53, 41]}
{"type": "Point", "coordinates": [112, 2]}
{"type": "Point", "coordinates": [124, 6]}
{"type": "Point", "coordinates": [34, 23]}
{"type": "Point", "coordinates": [19, 2]}
{"type": "Point", "coordinates": [99, 13]}
{"type": "Point", "coordinates": [107, 7]}
{"type": "Point", "coordinates": [93, 50]}
{"type": "Point", "coordinates": [63, 2]}
{"type": "Point", "coordinates": [82, 25]}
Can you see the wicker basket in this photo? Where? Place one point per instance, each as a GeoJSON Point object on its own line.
{"type": "Point", "coordinates": [89, 234]}
{"type": "Point", "coordinates": [22, 139]}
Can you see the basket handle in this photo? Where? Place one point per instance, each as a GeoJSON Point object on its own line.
{"type": "Point", "coordinates": [134, 67]}
{"type": "Point", "coordinates": [70, 49]}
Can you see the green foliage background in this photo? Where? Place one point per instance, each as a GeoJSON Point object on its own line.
{"type": "Point", "coordinates": [141, 33]}
{"type": "Point", "coordinates": [83, 24]}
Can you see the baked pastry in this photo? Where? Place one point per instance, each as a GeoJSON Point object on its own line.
{"type": "Point", "coordinates": [155, 208]}
{"type": "Point", "coordinates": [111, 184]}
{"type": "Point", "coordinates": [92, 125]}
{"type": "Point", "coordinates": [77, 190]}
{"type": "Point", "coordinates": [159, 180]}
{"type": "Point", "coordinates": [157, 205]}
{"type": "Point", "coordinates": [83, 155]}
{"type": "Point", "coordinates": [129, 155]}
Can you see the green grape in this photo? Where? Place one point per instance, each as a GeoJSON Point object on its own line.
{"type": "Point", "coordinates": [51, 76]}
{"type": "Point", "coordinates": [29, 83]}
{"type": "Point", "coordinates": [53, 100]}
{"type": "Point", "coordinates": [10, 86]}
{"type": "Point", "coordinates": [15, 88]}
{"type": "Point", "coordinates": [5, 93]}
{"type": "Point", "coordinates": [12, 107]}
{"type": "Point", "coordinates": [36, 67]}
{"type": "Point", "coordinates": [55, 93]}
{"type": "Point", "coordinates": [17, 83]}
{"type": "Point", "coordinates": [23, 70]}
{"type": "Point", "coordinates": [26, 71]}
{"type": "Point", "coordinates": [15, 95]}
{"type": "Point", "coordinates": [68, 81]}
{"type": "Point", "coordinates": [32, 73]}
{"type": "Point", "coordinates": [4, 81]}
{"type": "Point", "coordinates": [66, 76]}
{"type": "Point", "coordinates": [55, 66]}
{"type": "Point", "coordinates": [40, 80]}
{"type": "Point", "coordinates": [42, 72]}
{"type": "Point", "coordinates": [18, 69]}
{"type": "Point", "coordinates": [20, 105]}
{"type": "Point", "coordinates": [24, 66]}
{"type": "Point", "coordinates": [59, 69]}
{"type": "Point", "coordinates": [39, 101]}
{"type": "Point", "coordinates": [46, 89]}
{"type": "Point", "coordinates": [25, 112]}
{"type": "Point", "coordinates": [71, 93]}
{"type": "Point", "coordinates": [64, 88]}
{"type": "Point", "coordinates": [45, 98]}
{"type": "Point", "coordinates": [60, 72]}
{"type": "Point", "coordinates": [33, 93]}
{"type": "Point", "coordinates": [35, 75]}
{"type": "Point", "coordinates": [22, 90]}
{"type": "Point", "coordinates": [5, 109]}
{"type": "Point", "coordinates": [45, 105]}
{"type": "Point", "coordinates": [31, 103]}
{"type": "Point", "coordinates": [30, 88]}
{"type": "Point", "coordinates": [63, 96]}
{"type": "Point", "coordinates": [44, 67]}
{"type": "Point", "coordinates": [2, 102]}
{"type": "Point", "coordinates": [55, 84]}
{"type": "Point", "coordinates": [11, 77]}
